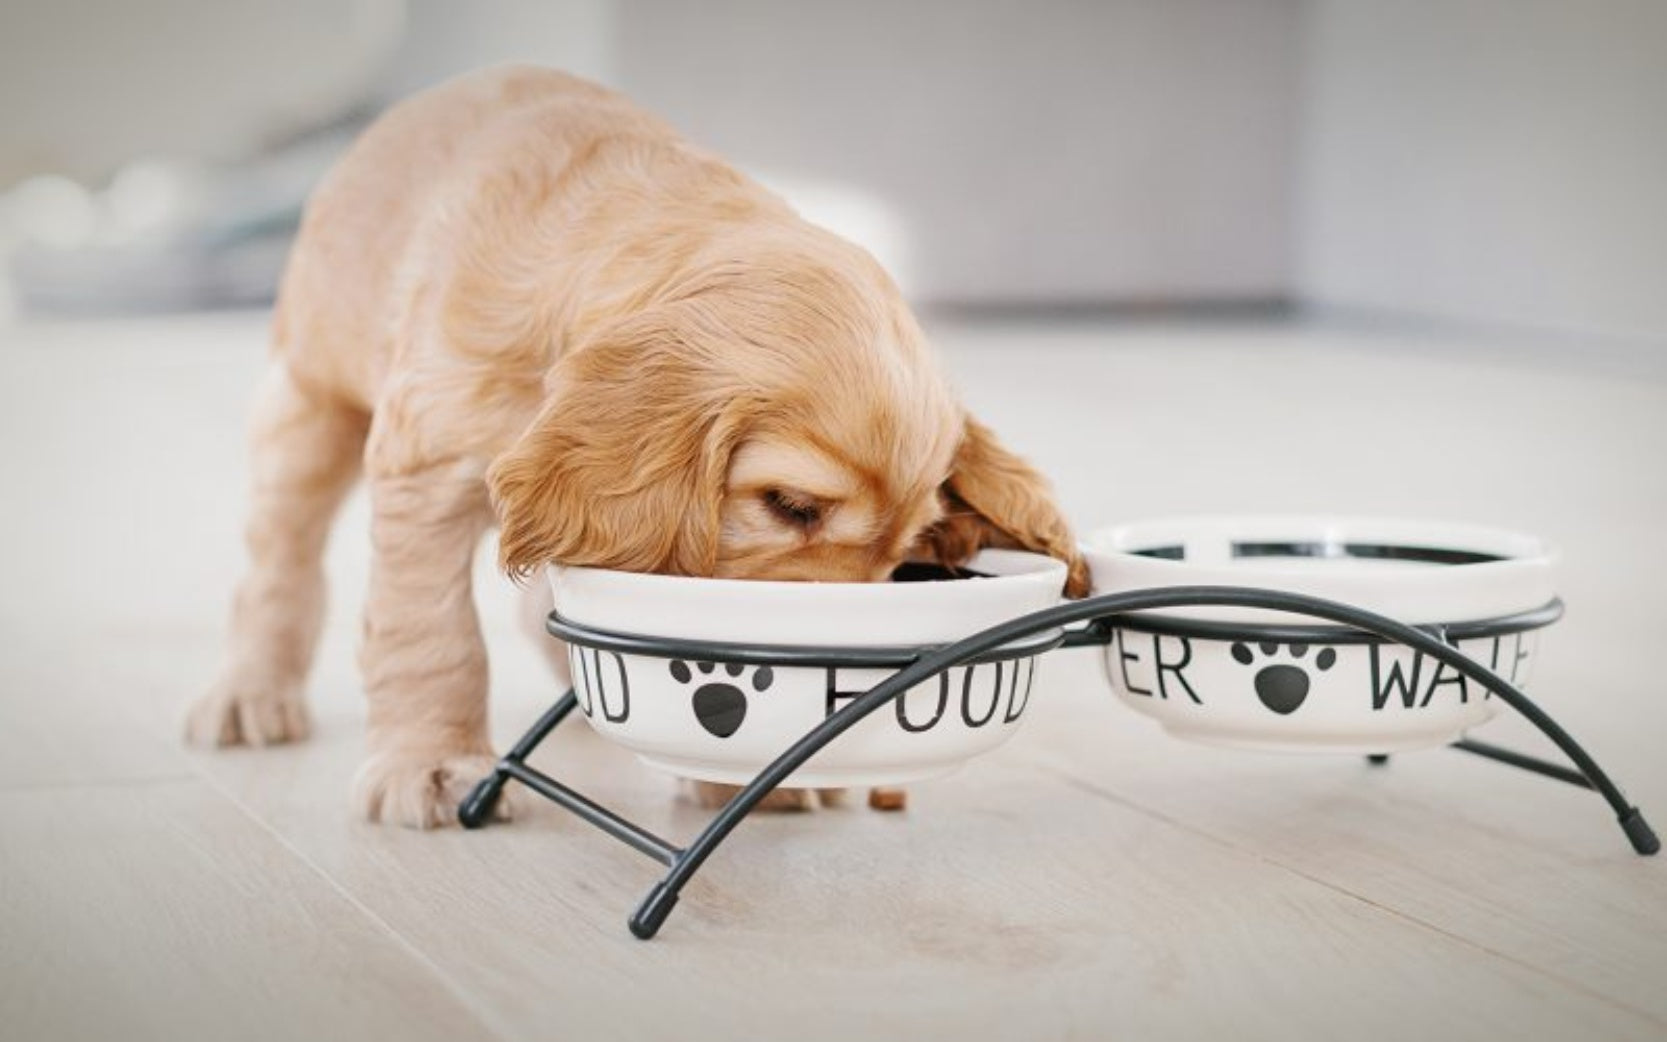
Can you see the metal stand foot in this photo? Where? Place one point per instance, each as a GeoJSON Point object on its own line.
{"type": "Point", "coordinates": [645, 922]}
{"type": "Point", "coordinates": [1377, 759]}
{"type": "Point", "coordinates": [476, 808]}
{"type": "Point", "coordinates": [1638, 830]}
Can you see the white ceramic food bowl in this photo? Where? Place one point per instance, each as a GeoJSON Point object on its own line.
{"type": "Point", "coordinates": [723, 722]}
{"type": "Point", "coordinates": [1312, 694]}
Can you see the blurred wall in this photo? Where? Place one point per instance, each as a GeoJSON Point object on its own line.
{"type": "Point", "coordinates": [1484, 160]}
{"type": "Point", "coordinates": [88, 85]}
{"type": "Point", "coordinates": [1489, 160]}
{"type": "Point", "coordinates": [446, 37]}
{"type": "Point", "coordinates": [1067, 150]}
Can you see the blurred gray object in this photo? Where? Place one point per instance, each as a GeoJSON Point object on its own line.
{"type": "Point", "coordinates": [165, 236]}
{"type": "Point", "coordinates": [205, 124]}
{"type": "Point", "coordinates": [200, 126]}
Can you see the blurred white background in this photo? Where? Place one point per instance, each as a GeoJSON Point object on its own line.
{"type": "Point", "coordinates": [1481, 161]}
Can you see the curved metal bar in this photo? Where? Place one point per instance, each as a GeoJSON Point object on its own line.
{"type": "Point", "coordinates": [660, 901]}
{"type": "Point", "coordinates": [854, 656]}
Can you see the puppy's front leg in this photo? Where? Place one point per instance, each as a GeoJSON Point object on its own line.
{"type": "Point", "coordinates": [423, 659]}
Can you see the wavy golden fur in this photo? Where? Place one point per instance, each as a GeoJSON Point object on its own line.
{"type": "Point", "coordinates": [520, 298]}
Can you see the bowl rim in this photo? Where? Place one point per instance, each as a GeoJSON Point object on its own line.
{"type": "Point", "coordinates": [1522, 578]}
{"type": "Point", "coordinates": [1539, 551]}
{"type": "Point", "coordinates": [810, 613]}
{"type": "Point", "coordinates": [1023, 564]}
{"type": "Point", "coordinates": [791, 656]}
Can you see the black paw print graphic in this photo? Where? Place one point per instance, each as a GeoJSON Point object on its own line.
{"type": "Point", "coordinates": [1283, 688]}
{"type": "Point", "coordinates": [721, 706]}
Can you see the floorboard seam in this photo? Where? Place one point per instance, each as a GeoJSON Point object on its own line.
{"type": "Point", "coordinates": [492, 1026]}
{"type": "Point", "coordinates": [8, 788]}
{"type": "Point", "coordinates": [1575, 986]}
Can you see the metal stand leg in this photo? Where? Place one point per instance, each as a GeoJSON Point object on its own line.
{"type": "Point", "coordinates": [645, 922]}
{"type": "Point", "coordinates": [1631, 819]}
{"type": "Point", "coordinates": [476, 808]}
{"type": "Point", "coordinates": [1638, 831]}
{"type": "Point", "coordinates": [1500, 754]}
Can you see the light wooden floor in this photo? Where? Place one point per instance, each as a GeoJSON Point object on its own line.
{"type": "Point", "coordinates": [1091, 880]}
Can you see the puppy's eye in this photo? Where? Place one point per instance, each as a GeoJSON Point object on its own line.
{"type": "Point", "coordinates": [793, 509]}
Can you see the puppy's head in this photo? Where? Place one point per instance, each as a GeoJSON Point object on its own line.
{"type": "Point", "coordinates": [775, 420]}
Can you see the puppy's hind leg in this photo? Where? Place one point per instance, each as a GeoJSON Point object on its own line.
{"type": "Point", "coordinates": [305, 453]}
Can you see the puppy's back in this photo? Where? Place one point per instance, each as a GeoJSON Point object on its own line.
{"type": "Point", "coordinates": [350, 273]}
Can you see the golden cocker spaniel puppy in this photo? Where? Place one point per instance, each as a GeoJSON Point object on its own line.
{"type": "Point", "coordinates": [520, 295]}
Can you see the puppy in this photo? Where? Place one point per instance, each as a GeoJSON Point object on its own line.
{"type": "Point", "coordinates": [519, 291]}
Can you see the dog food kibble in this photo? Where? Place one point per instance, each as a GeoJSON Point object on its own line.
{"type": "Point", "coordinates": [922, 572]}
{"type": "Point", "coordinates": [888, 799]}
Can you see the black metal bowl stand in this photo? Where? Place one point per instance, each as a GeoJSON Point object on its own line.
{"type": "Point", "coordinates": [1022, 637]}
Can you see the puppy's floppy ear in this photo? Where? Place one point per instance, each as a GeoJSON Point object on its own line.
{"type": "Point", "coordinates": [994, 498]}
{"type": "Point", "coordinates": [624, 466]}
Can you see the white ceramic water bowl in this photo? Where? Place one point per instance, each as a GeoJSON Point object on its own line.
{"type": "Point", "coordinates": [723, 722]}
{"type": "Point", "coordinates": [1363, 698]}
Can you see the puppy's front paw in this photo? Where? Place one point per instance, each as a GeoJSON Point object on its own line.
{"type": "Point", "coordinates": [419, 789]}
{"type": "Point", "coordinates": [247, 714]}
{"type": "Point", "coordinates": [712, 795]}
